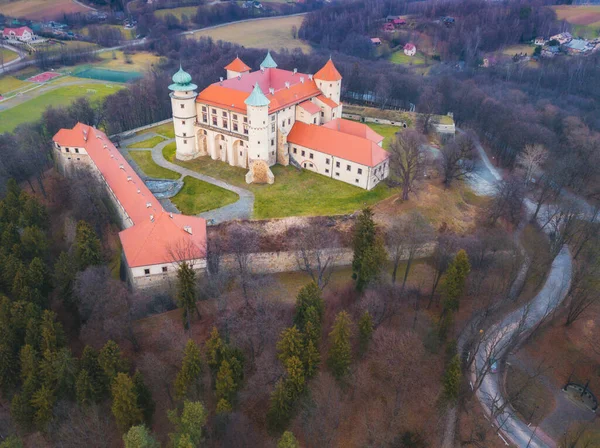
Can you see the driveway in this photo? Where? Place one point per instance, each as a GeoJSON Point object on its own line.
{"type": "Point", "coordinates": [242, 209]}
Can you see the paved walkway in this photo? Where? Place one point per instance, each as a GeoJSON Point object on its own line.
{"type": "Point", "coordinates": [242, 209]}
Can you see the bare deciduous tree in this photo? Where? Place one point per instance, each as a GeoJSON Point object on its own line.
{"type": "Point", "coordinates": [408, 161]}
{"type": "Point", "coordinates": [585, 286]}
{"type": "Point", "coordinates": [317, 250]}
{"type": "Point", "coordinates": [442, 255]}
{"type": "Point", "coordinates": [531, 159]}
{"type": "Point", "coordinates": [507, 201]}
{"type": "Point", "coordinates": [242, 242]}
{"type": "Point", "coordinates": [458, 158]}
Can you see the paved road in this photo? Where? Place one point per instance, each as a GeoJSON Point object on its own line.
{"type": "Point", "coordinates": [20, 55]}
{"type": "Point", "coordinates": [242, 209]}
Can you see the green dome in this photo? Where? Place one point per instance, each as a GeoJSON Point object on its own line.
{"type": "Point", "coordinates": [182, 81]}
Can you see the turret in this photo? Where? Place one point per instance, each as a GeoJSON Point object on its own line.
{"type": "Point", "coordinates": [329, 81]}
{"type": "Point", "coordinates": [268, 62]}
{"type": "Point", "coordinates": [257, 105]}
{"type": "Point", "coordinates": [236, 68]}
{"type": "Point", "coordinates": [183, 102]}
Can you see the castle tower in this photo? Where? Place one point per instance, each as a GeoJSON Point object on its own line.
{"type": "Point", "coordinates": [257, 106]}
{"type": "Point", "coordinates": [236, 68]}
{"type": "Point", "coordinates": [268, 62]}
{"type": "Point", "coordinates": [183, 102]}
{"type": "Point", "coordinates": [329, 81]}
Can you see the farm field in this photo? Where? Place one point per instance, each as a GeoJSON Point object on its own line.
{"type": "Point", "coordinates": [273, 33]}
{"type": "Point", "coordinates": [7, 55]}
{"type": "Point", "coordinates": [143, 160]}
{"type": "Point", "coordinates": [294, 193]}
{"type": "Point", "coordinates": [33, 109]}
{"type": "Point", "coordinates": [198, 196]}
{"type": "Point", "coordinates": [189, 11]}
{"type": "Point", "coordinates": [584, 18]}
{"type": "Point", "coordinates": [128, 34]}
{"type": "Point", "coordinates": [40, 9]}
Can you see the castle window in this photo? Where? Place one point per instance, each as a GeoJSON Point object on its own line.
{"type": "Point", "coordinates": [314, 120]}
{"type": "Point", "coordinates": [356, 180]}
{"type": "Point", "coordinates": [205, 117]}
{"type": "Point", "coordinates": [146, 271]}
{"type": "Point", "coordinates": [235, 126]}
{"type": "Point", "coordinates": [182, 106]}
{"type": "Point", "coordinates": [295, 151]}
{"type": "Point", "coordinates": [225, 123]}
{"type": "Point", "coordinates": [348, 168]}
{"type": "Point", "coordinates": [222, 137]}
{"type": "Point", "coordinates": [283, 123]}
{"type": "Point", "coordinates": [259, 142]}
{"type": "Point", "coordinates": [327, 170]}
{"type": "Point", "coordinates": [360, 171]}
{"type": "Point", "coordinates": [182, 121]}
{"type": "Point", "coordinates": [337, 174]}
{"type": "Point", "coordinates": [185, 134]}
{"type": "Point", "coordinates": [303, 153]}
{"type": "Point", "coordinates": [272, 117]}
{"type": "Point", "coordinates": [245, 119]}
{"type": "Point", "coordinates": [337, 164]}
{"type": "Point", "coordinates": [311, 155]}
{"type": "Point", "coordinates": [214, 120]}
{"type": "Point", "coordinates": [272, 153]}
{"type": "Point", "coordinates": [241, 153]}
{"type": "Point", "coordinates": [203, 108]}
{"type": "Point", "coordinates": [333, 115]}
{"type": "Point", "coordinates": [66, 149]}
{"type": "Point", "coordinates": [204, 132]}
{"type": "Point", "coordinates": [214, 111]}
{"type": "Point", "coordinates": [272, 128]}
{"type": "Point", "coordinates": [164, 269]}
{"type": "Point", "coordinates": [185, 142]}
{"type": "Point", "coordinates": [289, 121]}
{"type": "Point", "coordinates": [245, 129]}
{"type": "Point", "coordinates": [327, 161]}
{"type": "Point", "coordinates": [330, 84]}
{"type": "Point", "coordinates": [272, 141]}
{"type": "Point", "coordinates": [77, 150]}
{"type": "Point", "coordinates": [235, 116]}
{"type": "Point", "coordinates": [322, 114]}
{"type": "Point", "coordinates": [224, 113]}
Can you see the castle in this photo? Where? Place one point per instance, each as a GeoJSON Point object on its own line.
{"type": "Point", "coordinates": [256, 119]}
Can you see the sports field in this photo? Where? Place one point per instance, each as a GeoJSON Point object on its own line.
{"type": "Point", "coordinates": [33, 109]}
{"type": "Point", "coordinates": [273, 33]}
{"type": "Point", "coordinates": [40, 9]}
{"type": "Point", "coordinates": [584, 18]}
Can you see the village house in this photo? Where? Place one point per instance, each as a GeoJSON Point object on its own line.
{"type": "Point", "coordinates": [410, 49]}
{"type": "Point", "coordinates": [376, 41]}
{"type": "Point", "coordinates": [539, 41]}
{"type": "Point", "coordinates": [23, 34]}
{"type": "Point", "coordinates": [562, 38]}
{"type": "Point", "coordinates": [154, 241]}
{"type": "Point", "coordinates": [578, 46]}
{"type": "Point", "coordinates": [256, 119]}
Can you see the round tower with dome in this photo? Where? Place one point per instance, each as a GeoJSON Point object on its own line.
{"type": "Point", "coordinates": [183, 102]}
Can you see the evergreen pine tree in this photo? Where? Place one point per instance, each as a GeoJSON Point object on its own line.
{"type": "Point", "coordinates": [29, 362]}
{"type": "Point", "coordinates": [291, 343]}
{"type": "Point", "coordinates": [64, 276]}
{"type": "Point", "coordinates": [84, 388]}
{"type": "Point", "coordinates": [223, 406]}
{"type": "Point", "coordinates": [188, 378]}
{"type": "Point", "coordinates": [373, 259]}
{"type": "Point", "coordinates": [21, 410]}
{"type": "Point", "coordinates": [365, 237]}
{"type": "Point", "coordinates": [288, 440]}
{"type": "Point", "coordinates": [186, 292]}
{"type": "Point", "coordinates": [12, 442]}
{"type": "Point", "coordinates": [340, 352]}
{"type": "Point", "coordinates": [214, 348]}
{"type": "Point", "coordinates": [312, 358]}
{"type": "Point", "coordinates": [308, 296]}
{"type": "Point", "coordinates": [110, 360]}
{"type": "Point", "coordinates": [189, 425]}
{"type": "Point", "coordinates": [52, 333]}
{"type": "Point", "coordinates": [280, 407]}
{"type": "Point", "coordinates": [42, 402]}
{"type": "Point", "coordinates": [37, 278]}
{"type": "Point", "coordinates": [295, 380]}
{"type": "Point", "coordinates": [140, 437]}
{"type": "Point", "coordinates": [144, 397]}
{"type": "Point", "coordinates": [312, 327]}
{"type": "Point", "coordinates": [365, 330]}
{"type": "Point", "coordinates": [455, 283]}
{"type": "Point", "coordinates": [88, 251]}
{"type": "Point", "coordinates": [452, 379]}
{"type": "Point", "coordinates": [98, 382]}
{"type": "Point", "coordinates": [125, 406]}
{"type": "Point", "coordinates": [225, 384]}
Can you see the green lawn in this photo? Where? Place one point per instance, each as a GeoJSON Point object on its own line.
{"type": "Point", "coordinates": [294, 193]}
{"type": "Point", "coordinates": [198, 196]}
{"type": "Point", "coordinates": [166, 130]}
{"type": "Point", "coordinates": [7, 55]}
{"type": "Point", "coordinates": [33, 109]}
{"type": "Point", "coordinates": [10, 83]}
{"type": "Point", "coordinates": [189, 11]}
{"type": "Point", "coordinates": [387, 131]}
{"type": "Point", "coordinates": [150, 143]}
{"type": "Point", "coordinates": [400, 58]}
{"type": "Point", "coordinates": [143, 160]}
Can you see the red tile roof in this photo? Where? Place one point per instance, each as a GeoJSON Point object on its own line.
{"type": "Point", "coordinates": [328, 101]}
{"type": "Point", "coordinates": [336, 143]}
{"type": "Point", "coordinates": [17, 31]}
{"type": "Point", "coordinates": [237, 65]}
{"type": "Point", "coordinates": [231, 93]}
{"type": "Point", "coordinates": [310, 107]}
{"type": "Point", "coordinates": [155, 232]}
{"type": "Point", "coordinates": [354, 128]}
{"type": "Point", "coordinates": [328, 72]}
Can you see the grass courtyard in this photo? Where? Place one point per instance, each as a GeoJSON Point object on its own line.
{"type": "Point", "coordinates": [198, 196]}
{"type": "Point", "coordinates": [386, 131]}
{"type": "Point", "coordinates": [166, 130]}
{"type": "Point", "coordinates": [150, 143]}
{"type": "Point", "coordinates": [294, 193]}
{"type": "Point", "coordinates": [62, 96]}
{"type": "Point", "coordinates": [143, 159]}
{"type": "Point", "coordinates": [273, 33]}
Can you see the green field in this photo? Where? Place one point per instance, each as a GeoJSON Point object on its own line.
{"type": "Point", "coordinates": [7, 55]}
{"type": "Point", "coordinates": [128, 34]}
{"type": "Point", "coordinates": [198, 196]}
{"type": "Point", "coordinates": [189, 11]}
{"type": "Point", "coordinates": [386, 131]}
{"type": "Point", "coordinates": [33, 109]}
{"type": "Point", "coordinates": [294, 193]}
{"type": "Point", "coordinates": [150, 143]}
{"type": "Point", "coordinates": [166, 130]}
{"type": "Point", "coordinates": [106, 74]}
{"type": "Point", "coordinates": [10, 83]}
{"type": "Point", "coordinates": [143, 159]}
{"type": "Point", "coordinates": [274, 33]}
{"type": "Point", "coordinates": [400, 58]}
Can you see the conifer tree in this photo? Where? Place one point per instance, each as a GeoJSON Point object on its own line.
{"type": "Point", "coordinates": [21, 410]}
{"type": "Point", "coordinates": [452, 379]}
{"type": "Point", "coordinates": [223, 406]}
{"type": "Point", "coordinates": [309, 296]}
{"type": "Point", "coordinates": [188, 425]}
{"type": "Point", "coordinates": [312, 358]}
{"type": "Point", "coordinates": [373, 259]}
{"type": "Point", "coordinates": [125, 406]}
{"type": "Point", "coordinates": [365, 330]}
{"type": "Point", "coordinates": [98, 382]}
{"type": "Point", "coordinates": [12, 442]}
{"type": "Point", "coordinates": [214, 348]}
{"type": "Point", "coordinates": [288, 440]}
{"type": "Point", "coordinates": [455, 283]}
{"type": "Point", "coordinates": [295, 376]}
{"type": "Point", "coordinates": [369, 251]}
{"type": "Point", "coordinates": [84, 388]}
{"type": "Point", "coordinates": [280, 406]}
{"type": "Point", "coordinates": [111, 361]}
{"type": "Point", "coordinates": [29, 363]}
{"type": "Point", "coordinates": [340, 352]}
{"type": "Point", "coordinates": [59, 371]}
{"type": "Point", "coordinates": [42, 402]}
{"type": "Point", "coordinates": [140, 437]}
{"type": "Point", "coordinates": [8, 367]}
{"type": "Point", "coordinates": [312, 327]}
{"type": "Point", "coordinates": [225, 384]}
{"type": "Point", "coordinates": [291, 343]}
{"type": "Point", "coordinates": [88, 251]}
{"type": "Point", "coordinates": [37, 278]}
{"type": "Point", "coordinates": [144, 397]}
{"type": "Point", "coordinates": [52, 334]}
{"type": "Point", "coordinates": [186, 292]}
{"type": "Point", "coordinates": [64, 276]}
{"type": "Point", "coordinates": [188, 378]}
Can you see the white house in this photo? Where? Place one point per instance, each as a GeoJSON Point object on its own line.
{"type": "Point", "coordinates": [23, 34]}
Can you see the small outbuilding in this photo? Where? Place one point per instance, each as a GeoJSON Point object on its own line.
{"type": "Point", "coordinates": [410, 49]}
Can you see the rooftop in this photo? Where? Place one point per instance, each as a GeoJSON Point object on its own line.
{"type": "Point", "coordinates": [328, 72]}
{"type": "Point", "coordinates": [155, 233]}
{"type": "Point", "coordinates": [354, 128]}
{"type": "Point", "coordinates": [237, 65]}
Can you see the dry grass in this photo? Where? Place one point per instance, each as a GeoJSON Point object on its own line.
{"type": "Point", "coordinates": [517, 49]}
{"type": "Point", "coordinates": [584, 18]}
{"type": "Point", "coordinates": [7, 55]}
{"type": "Point", "coordinates": [535, 401]}
{"type": "Point", "coordinates": [273, 33]}
{"type": "Point", "coordinates": [40, 9]}
{"type": "Point", "coordinates": [140, 62]}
